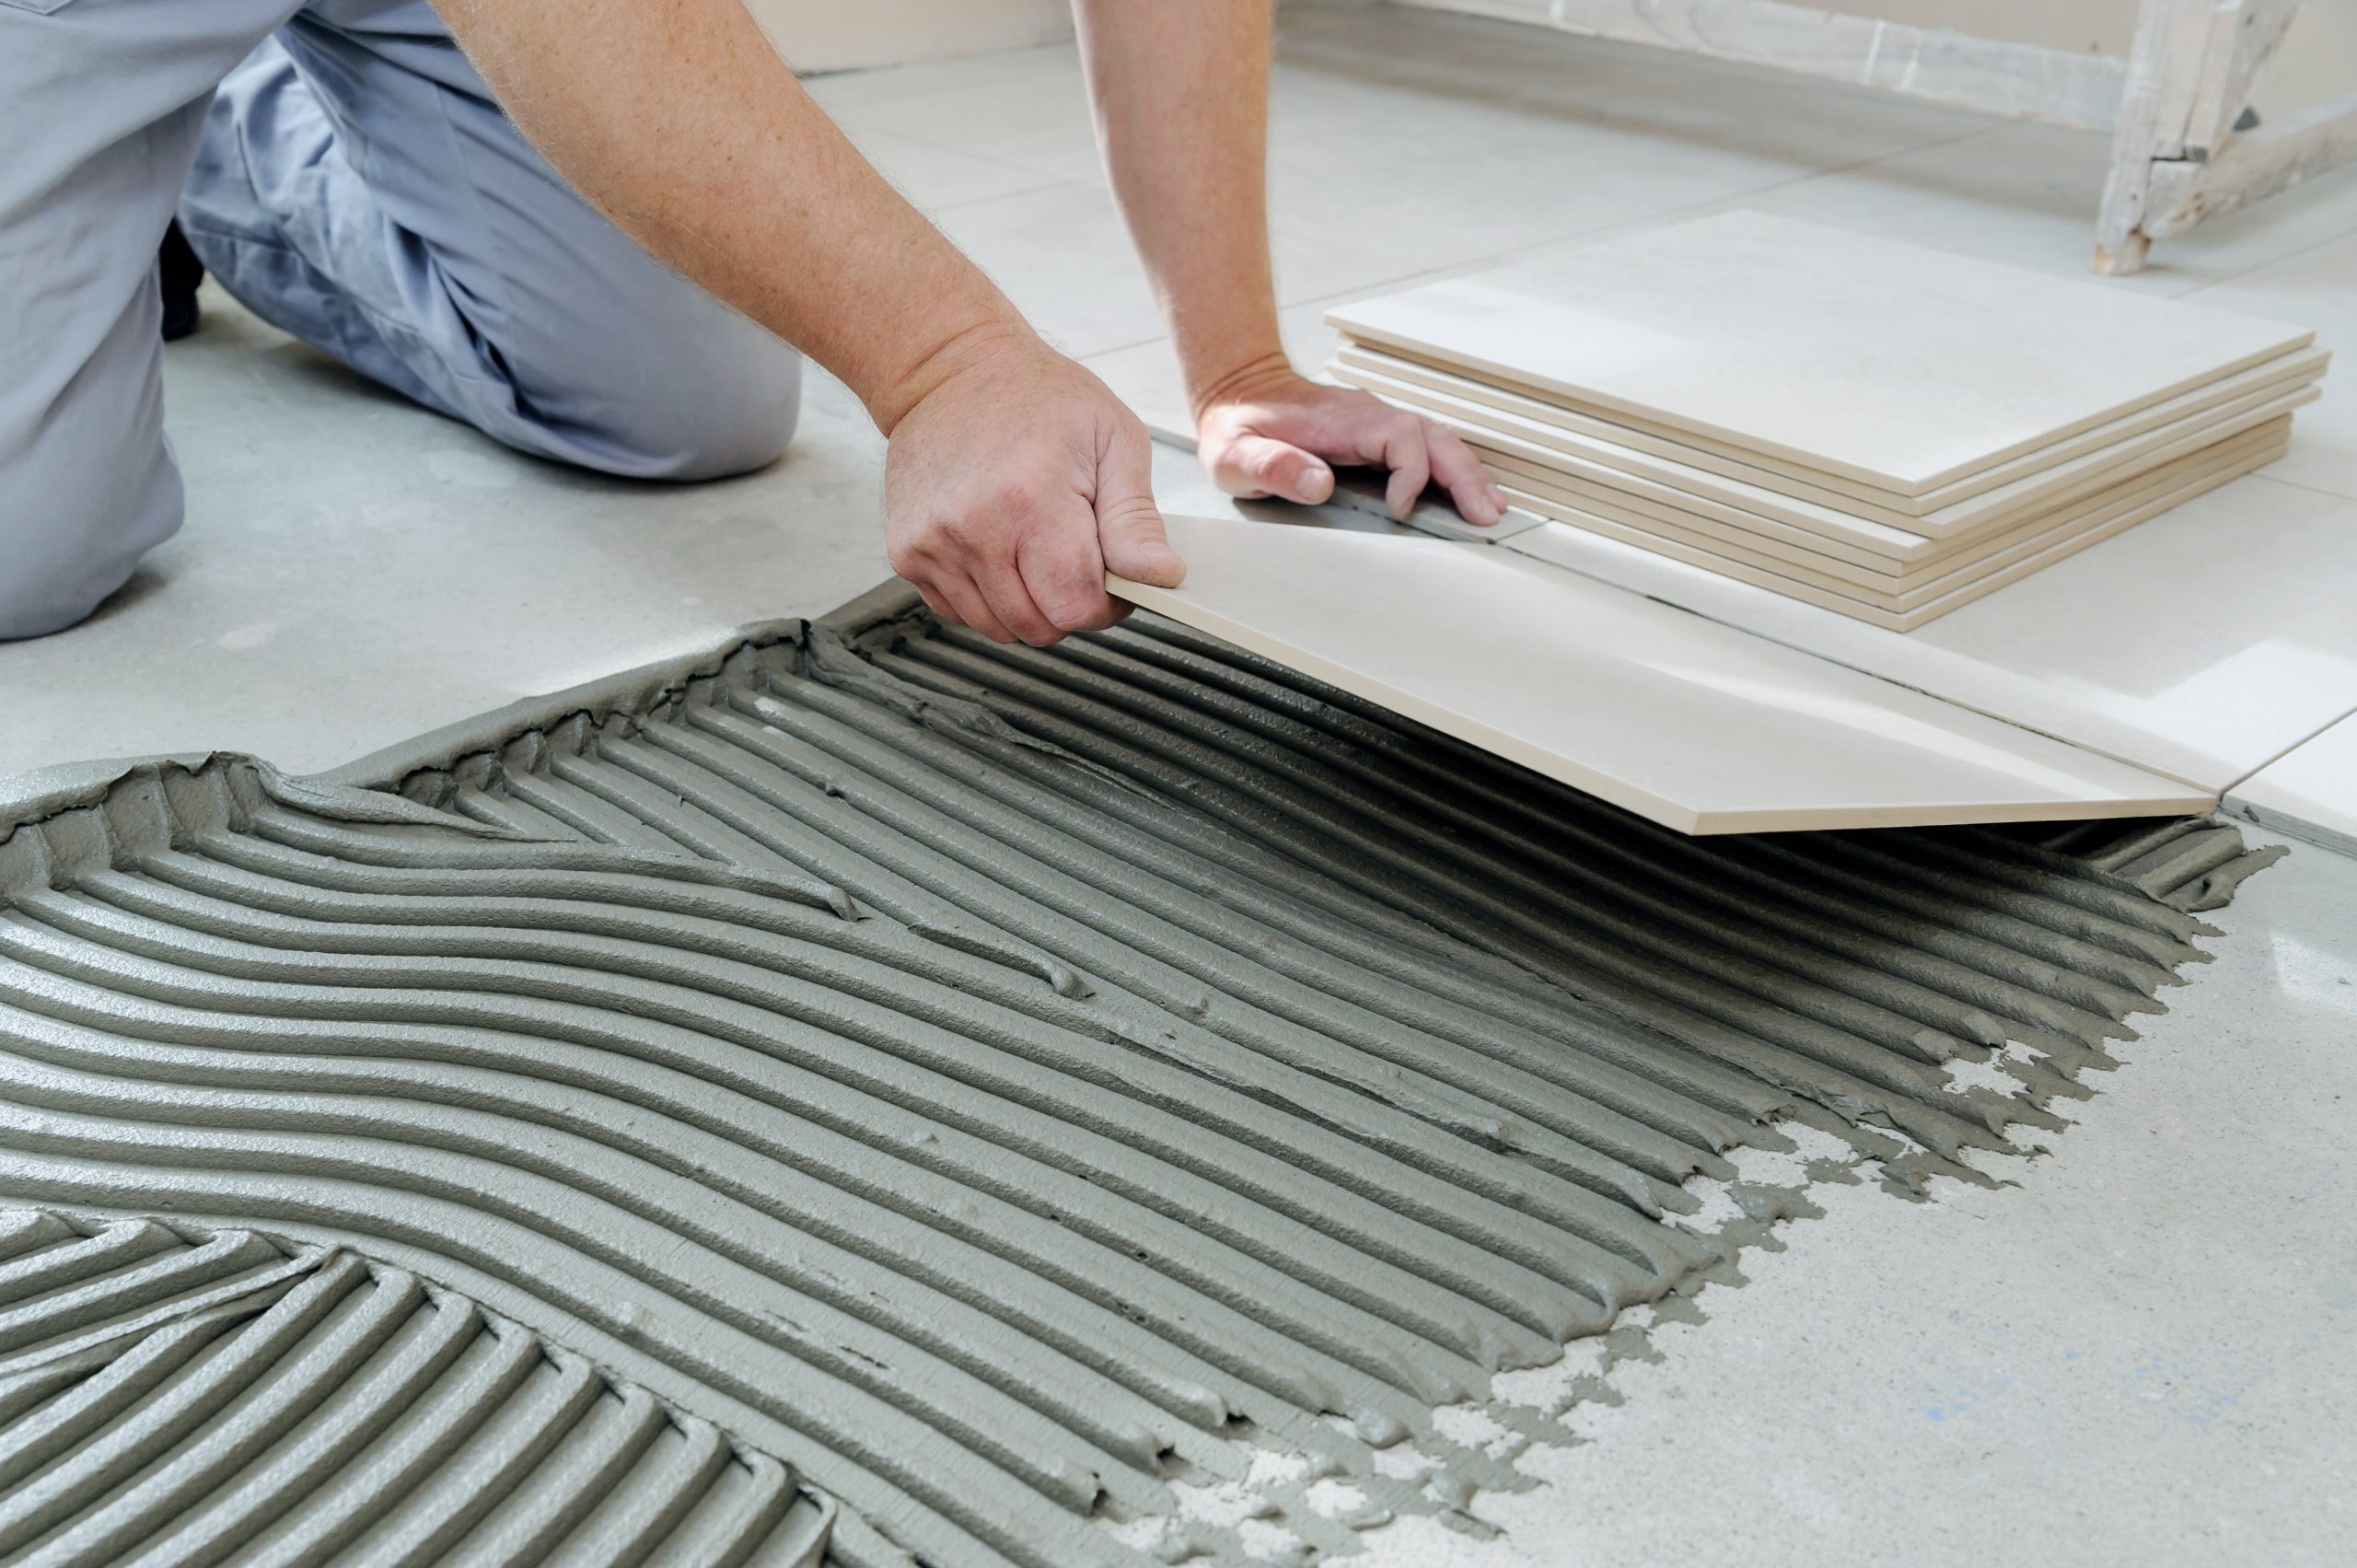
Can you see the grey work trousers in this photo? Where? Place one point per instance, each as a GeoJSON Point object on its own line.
{"type": "Point", "coordinates": [343, 170]}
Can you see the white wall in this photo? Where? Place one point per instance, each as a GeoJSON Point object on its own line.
{"type": "Point", "coordinates": [848, 35]}
{"type": "Point", "coordinates": [2317, 60]}
{"type": "Point", "coordinates": [2101, 27]}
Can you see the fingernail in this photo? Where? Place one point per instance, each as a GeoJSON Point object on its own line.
{"type": "Point", "coordinates": [1161, 566]}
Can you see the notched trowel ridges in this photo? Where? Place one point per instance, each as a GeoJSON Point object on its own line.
{"type": "Point", "coordinates": [195, 1397]}
{"type": "Point", "coordinates": [1015, 1089]}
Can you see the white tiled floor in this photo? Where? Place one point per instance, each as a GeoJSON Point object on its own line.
{"type": "Point", "coordinates": [2312, 791]}
{"type": "Point", "coordinates": [2203, 646]}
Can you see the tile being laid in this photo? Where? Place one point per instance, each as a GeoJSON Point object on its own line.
{"type": "Point", "coordinates": [2202, 644]}
{"type": "Point", "coordinates": [1694, 725]}
{"type": "Point", "coordinates": [2309, 792]}
{"type": "Point", "coordinates": [1898, 367]}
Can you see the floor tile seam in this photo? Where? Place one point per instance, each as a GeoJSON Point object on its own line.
{"type": "Point", "coordinates": [2301, 484]}
{"type": "Point", "coordinates": [1046, 182]}
{"type": "Point", "coordinates": [2244, 274]}
{"type": "Point", "coordinates": [2304, 741]}
{"type": "Point", "coordinates": [1660, 219]}
{"type": "Point", "coordinates": [850, 72]}
{"type": "Point", "coordinates": [1058, 179]}
{"type": "Point", "coordinates": [1049, 179]}
{"type": "Point", "coordinates": [1458, 269]}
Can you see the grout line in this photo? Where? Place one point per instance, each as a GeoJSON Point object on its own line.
{"type": "Point", "coordinates": [2291, 255]}
{"type": "Point", "coordinates": [2303, 740]}
{"type": "Point", "coordinates": [2295, 485]}
{"type": "Point", "coordinates": [1658, 218]}
{"type": "Point", "coordinates": [1047, 182]}
{"type": "Point", "coordinates": [854, 72]}
{"type": "Point", "coordinates": [1048, 177]}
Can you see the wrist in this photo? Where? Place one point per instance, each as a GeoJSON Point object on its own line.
{"type": "Point", "coordinates": [943, 360]}
{"type": "Point", "coordinates": [1258, 375]}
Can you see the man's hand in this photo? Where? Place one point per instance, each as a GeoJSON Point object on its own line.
{"type": "Point", "coordinates": [1183, 101]}
{"type": "Point", "coordinates": [1013, 485]}
{"type": "Point", "coordinates": [1014, 479]}
{"type": "Point", "coordinates": [1270, 431]}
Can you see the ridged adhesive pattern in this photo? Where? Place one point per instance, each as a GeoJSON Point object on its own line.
{"type": "Point", "coordinates": [222, 1398]}
{"type": "Point", "coordinates": [1022, 1090]}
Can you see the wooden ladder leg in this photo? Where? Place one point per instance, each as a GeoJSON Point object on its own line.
{"type": "Point", "coordinates": [2190, 74]}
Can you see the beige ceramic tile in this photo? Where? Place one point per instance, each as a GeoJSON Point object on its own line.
{"type": "Point", "coordinates": [1891, 365]}
{"type": "Point", "coordinates": [2203, 644]}
{"type": "Point", "coordinates": [1693, 724]}
{"type": "Point", "coordinates": [1797, 554]}
{"type": "Point", "coordinates": [1968, 503]}
{"type": "Point", "coordinates": [1919, 605]}
{"type": "Point", "coordinates": [2309, 793]}
{"type": "Point", "coordinates": [1749, 507]}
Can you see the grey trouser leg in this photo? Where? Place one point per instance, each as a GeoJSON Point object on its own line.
{"type": "Point", "coordinates": [357, 187]}
{"type": "Point", "coordinates": [101, 103]}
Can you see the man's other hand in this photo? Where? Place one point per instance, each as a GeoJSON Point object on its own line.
{"type": "Point", "coordinates": [1267, 430]}
{"type": "Point", "coordinates": [1012, 486]}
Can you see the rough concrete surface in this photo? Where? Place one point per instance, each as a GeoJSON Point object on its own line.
{"type": "Point", "coordinates": [2145, 1351]}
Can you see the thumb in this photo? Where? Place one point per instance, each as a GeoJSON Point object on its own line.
{"type": "Point", "coordinates": [1129, 525]}
{"type": "Point", "coordinates": [1261, 465]}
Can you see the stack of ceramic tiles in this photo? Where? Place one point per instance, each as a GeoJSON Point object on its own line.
{"type": "Point", "coordinates": [1883, 430]}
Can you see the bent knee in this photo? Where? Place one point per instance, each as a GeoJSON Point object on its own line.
{"type": "Point", "coordinates": [62, 556]}
{"type": "Point", "coordinates": [741, 419]}
{"type": "Point", "coordinates": [58, 582]}
{"type": "Point", "coordinates": [725, 404]}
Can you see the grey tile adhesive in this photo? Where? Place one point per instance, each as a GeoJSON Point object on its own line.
{"type": "Point", "coordinates": [226, 1395]}
{"type": "Point", "coordinates": [1078, 1107]}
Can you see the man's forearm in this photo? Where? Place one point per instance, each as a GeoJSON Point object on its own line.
{"type": "Point", "coordinates": [1181, 96]}
{"type": "Point", "coordinates": [680, 122]}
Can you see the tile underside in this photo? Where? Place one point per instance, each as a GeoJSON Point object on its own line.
{"type": "Point", "coordinates": [1014, 1087]}
{"type": "Point", "coordinates": [1692, 724]}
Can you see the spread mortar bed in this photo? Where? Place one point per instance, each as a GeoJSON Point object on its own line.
{"type": "Point", "coordinates": [871, 1092]}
